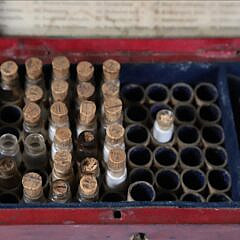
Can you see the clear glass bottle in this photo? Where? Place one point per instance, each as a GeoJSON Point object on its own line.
{"type": "Point", "coordinates": [60, 192]}
{"type": "Point", "coordinates": [89, 165]}
{"type": "Point", "coordinates": [59, 90]}
{"type": "Point", "coordinates": [85, 72]}
{"type": "Point", "coordinates": [9, 147]}
{"type": "Point", "coordinates": [32, 188]}
{"type": "Point", "coordinates": [35, 152]}
{"type": "Point", "coordinates": [111, 71]}
{"type": "Point", "coordinates": [61, 68]}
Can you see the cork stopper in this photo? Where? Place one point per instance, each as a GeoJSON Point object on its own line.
{"type": "Point", "coordinates": [60, 67]}
{"type": "Point", "coordinates": [165, 118]}
{"type": "Point", "coordinates": [85, 71]}
{"type": "Point", "coordinates": [88, 136]}
{"type": "Point", "coordinates": [115, 134]}
{"type": "Point", "coordinates": [59, 90]}
{"type": "Point", "coordinates": [32, 185]}
{"type": "Point", "coordinates": [34, 93]}
{"type": "Point", "coordinates": [112, 109]}
{"type": "Point", "coordinates": [60, 188]}
{"type": "Point", "coordinates": [90, 165]}
{"type": "Point", "coordinates": [59, 113]}
{"type": "Point", "coordinates": [7, 167]}
{"type": "Point", "coordinates": [34, 68]}
{"type": "Point", "coordinates": [110, 90]}
{"type": "Point", "coordinates": [111, 69]}
{"type": "Point", "coordinates": [9, 71]}
{"type": "Point", "coordinates": [63, 137]}
{"type": "Point", "coordinates": [85, 90]}
{"type": "Point", "coordinates": [88, 185]}
{"type": "Point", "coordinates": [31, 113]}
{"type": "Point", "coordinates": [64, 156]}
{"type": "Point", "coordinates": [116, 160]}
{"type": "Point", "coordinates": [87, 112]}
{"type": "Point", "coordinates": [62, 166]}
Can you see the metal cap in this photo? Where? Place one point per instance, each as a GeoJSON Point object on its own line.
{"type": "Point", "coordinates": [90, 165]}
{"type": "Point", "coordinates": [9, 71]}
{"type": "Point", "coordinates": [85, 71]}
{"type": "Point", "coordinates": [59, 113]}
{"type": "Point", "coordinates": [111, 69]}
{"type": "Point", "coordinates": [31, 113]}
{"type": "Point", "coordinates": [34, 93]}
{"type": "Point", "coordinates": [110, 90]}
{"type": "Point", "coordinates": [63, 137]}
{"type": "Point", "coordinates": [85, 90]}
{"type": "Point", "coordinates": [7, 167]}
{"type": "Point", "coordinates": [116, 160]}
{"type": "Point", "coordinates": [59, 90]}
{"type": "Point", "coordinates": [34, 68]}
{"type": "Point", "coordinates": [88, 185]}
{"type": "Point", "coordinates": [112, 109]}
{"type": "Point", "coordinates": [165, 119]}
{"type": "Point", "coordinates": [87, 112]}
{"type": "Point", "coordinates": [60, 67]}
{"type": "Point", "coordinates": [115, 134]}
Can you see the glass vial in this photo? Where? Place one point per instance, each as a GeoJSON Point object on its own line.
{"type": "Point", "coordinates": [59, 89]}
{"type": "Point", "coordinates": [89, 165]}
{"type": "Point", "coordinates": [111, 70]}
{"type": "Point", "coordinates": [85, 72]}
{"type": "Point", "coordinates": [60, 67]}
{"type": "Point", "coordinates": [60, 192]}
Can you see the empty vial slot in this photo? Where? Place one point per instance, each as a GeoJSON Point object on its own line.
{"type": "Point", "coordinates": [157, 93]}
{"type": "Point", "coordinates": [8, 198]}
{"type": "Point", "coordinates": [212, 135]}
{"type": "Point", "coordinates": [216, 157]}
{"type": "Point", "coordinates": [192, 197]}
{"type": "Point", "coordinates": [185, 114]}
{"type": "Point", "coordinates": [158, 107]}
{"type": "Point", "coordinates": [206, 93]}
{"type": "Point", "coordinates": [193, 180]}
{"type": "Point", "coordinates": [141, 174]}
{"type": "Point", "coordinates": [191, 157]}
{"type": "Point", "coordinates": [167, 180]}
{"type": "Point", "coordinates": [166, 197]}
{"type": "Point", "coordinates": [11, 114]}
{"type": "Point", "coordinates": [133, 93]}
{"type": "Point", "coordinates": [209, 114]}
{"type": "Point", "coordinates": [188, 135]}
{"type": "Point", "coordinates": [112, 197]}
{"type": "Point", "coordinates": [181, 92]}
{"type": "Point", "coordinates": [141, 191]}
{"type": "Point", "coordinates": [218, 197]}
{"type": "Point", "coordinates": [136, 113]}
{"type": "Point", "coordinates": [137, 134]}
{"type": "Point", "coordinates": [165, 157]}
{"type": "Point", "coordinates": [219, 180]}
{"type": "Point", "coordinates": [139, 156]}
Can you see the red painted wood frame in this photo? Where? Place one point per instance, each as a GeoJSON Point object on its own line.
{"type": "Point", "coordinates": [125, 50]}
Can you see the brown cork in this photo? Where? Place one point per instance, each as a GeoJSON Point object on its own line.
{"type": "Point", "coordinates": [165, 118]}
{"type": "Point", "coordinates": [90, 165]}
{"type": "Point", "coordinates": [9, 71]}
{"type": "Point", "coordinates": [60, 67]}
{"type": "Point", "coordinates": [87, 112]}
{"type": "Point", "coordinates": [63, 137]}
{"type": "Point", "coordinates": [62, 166]}
{"type": "Point", "coordinates": [31, 113]}
{"type": "Point", "coordinates": [112, 109]}
{"type": "Point", "coordinates": [117, 159]}
{"type": "Point", "coordinates": [110, 90]}
{"type": "Point", "coordinates": [111, 69]}
{"type": "Point", "coordinates": [85, 90]}
{"type": "Point", "coordinates": [7, 167]}
{"type": "Point", "coordinates": [60, 188]}
{"type": "Point", "coordinates": [59, 113]}
{"type": "Point", "coordinates": [88, 185]}
{"type": "Point", "coordinates": [32, 184]}
{"type": "Point", "coordinates": [64, 156]}
{"type": "Point", "coordinates": [85, 71]}
{"type": "Point", "coordinates": [34, 68]}
{"type": "Point", "coordinates": [34, 93]}
{"type": "Point", "coordinates": [59, 90]}
{"type": "Point", "coordinates": [88, 136]}
{"type": "Point", "coordinates": [115, 134]}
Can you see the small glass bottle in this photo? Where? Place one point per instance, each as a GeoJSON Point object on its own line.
{"type": "Point", "coordinates": [10, 91]}
{"type": "Point", "coordinates": [111, 71]}
{"type": "Point", "coordinates": [9, 147]}
{"type": "Point", "coordinates": [32, 188]}
{"type": "Point", "coordinates": [89, 165]}
{"type": "Point", "coordinates": [88, 190]}
{"type": "Point", "coordinates": [85, 72]}
{"type": "Point", "coordinates": [35, 152]}
{"type": "Point", "coordinates": [60, 192]}
{"type": "Point", "coordinates": [10, 177]}
{"type": "Point", "coordinates": [114, 138]}
{"type": "Point", "coordinates": [61, 68]}
{"type": "Point", "coordinates": [109, 91]}
{"type": "Point", "coordinates": [62, 141]}
{"type": "Point", "coordinates": [59, 89]}
{"type": "Point", "coordinates": [87, 117]}
{"type": "Point", "coordinates": [59, 118]}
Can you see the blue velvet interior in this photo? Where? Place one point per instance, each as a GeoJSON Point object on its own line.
{"type": "Point", "coordinates": [191, 73]}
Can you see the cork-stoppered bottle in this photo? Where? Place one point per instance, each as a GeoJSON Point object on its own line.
{"type": "Point", "coordinates": [85, 72]}
{"type": "Point", "coordinates": [89, 165]}
{"type": "Point", "coordinates": [59, 89]}
{"type": "Point", "coordinates": [32, 188]}
{"type": "Point", "coordinates": [60, 67]}
{"type": "Point", "coordinates": [111, 70]}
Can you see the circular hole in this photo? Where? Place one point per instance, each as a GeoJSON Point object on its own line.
{"type": "Point", "coordinates": [191, 197]}
{"type": "Point", "coordinates": [132, 93]}
{"type": "Point", "coordinates": [139, 155]}
{"type": "Point", "coordinates": [158, 107]}
{"type": "Point", "coordinates": [185, 113]}
{"type": "Point", "coordinates": [167, 180]}
{"type": "Point", "coordinates": [182, 93]}
{"type": "Point", "coordinates": [11, 130]}
{"type": "Point", "coordinates": [112, 197]}
{"type": "Point", "coordinates": [188, 134]}
{"type": "Point", "coordinates": [157, 93]}
{"type": "Point", "coordinates": [207, 92]}
{"type": "Point", "coordinates": [137, 134]}
{"type": "Point", "coordinates": [216, 156]}
{"type": "Point", "coordinates": [219, 179]}
{"type": "Point", "coordinates": [191, 156]}
{"type": "Point", "coordinates": [136, 113]}
{"type": "Point", "coordinates": [218, 197]}
{"type": "Point", "coordinates": [165, 156]}
{"type": "Point", "coordinates": [209, 113]}
{"type": "Point", "coordinates": [117, 214]}
{"type": "Point", "coordinates": [213, 134]}
{"type": "Point", "coordinates": [10, 114]}
{"type": "Point", "coordinates": [141, 174]}
{"type": "Point", "coordinates": [8, 198]}
{"type": "Point", "coordinates": [194, 180]}
{"type": "Point", "coordinates": [142, 192]}
{"type": "Point", "coordinates": [166, 197]}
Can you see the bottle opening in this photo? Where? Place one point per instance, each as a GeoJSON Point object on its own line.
{"type": "Point", "coordinates": [168, 180]}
